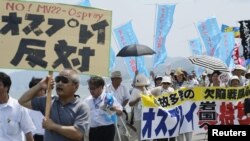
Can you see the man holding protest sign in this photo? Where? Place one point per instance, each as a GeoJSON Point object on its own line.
{"type": "Point", "coordinates": [68, 118]}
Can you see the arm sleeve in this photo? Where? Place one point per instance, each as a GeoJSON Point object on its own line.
{"type": "Point", "coordinates": [26, 123]}
{"type": "Point", "coordinates": [39, 104]}
{"type": "Point", "coordinates": [82, 118]}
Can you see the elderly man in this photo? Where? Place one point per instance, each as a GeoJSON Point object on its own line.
{"type": "Point", "coordinates": [14, 119]}
{"type": "Point", "coordinates": [122, 95]}
{"type": "Point", "coordinates": [69, 115]}
{"type": "Point", "coordinates": [119, 91]}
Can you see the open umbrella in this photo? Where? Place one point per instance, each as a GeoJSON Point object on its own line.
{"type": "Point", "coordinates": [135, 50]}
{"type": "Point", "coordinates": [208, 62]}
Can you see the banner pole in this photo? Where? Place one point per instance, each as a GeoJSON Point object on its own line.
{"type": "Point", "coordinates": [48, 98]}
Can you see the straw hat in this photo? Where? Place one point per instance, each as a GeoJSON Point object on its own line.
{"type": "Point", "coordinates": [178, 72]}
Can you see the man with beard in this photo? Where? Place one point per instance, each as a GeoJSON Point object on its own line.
{"type": "Point", "coordinates": [68, 120]}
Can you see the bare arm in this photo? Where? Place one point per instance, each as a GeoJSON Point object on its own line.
{"type": "Point", "coordinates": [132, 103]}
{"type": "Point", "coordinates": [125, 102]}
{"type": "Point", "coordinates": [29, 136]}
{"type": "Point", "coordinates": [25, 99]}
{"type": "Point", "coordinates": [68, 131]}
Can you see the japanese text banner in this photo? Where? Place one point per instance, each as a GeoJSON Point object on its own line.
{"type": "Point", "coordinates": [192, 110]}
{"type": "Point", "coordinates": [43, 36]}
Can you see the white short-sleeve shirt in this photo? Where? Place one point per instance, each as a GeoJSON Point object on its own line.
{"type": "Point", "coordinates": [121, 93]}
{"type": "Point", "coordinates": [97, 114]}
{"type": "Point", "coordinates": [14, 120]}
{"type": "Point", "coordinates": [135, 94]}
{"type": "Point", "coordinates": [37, 118]}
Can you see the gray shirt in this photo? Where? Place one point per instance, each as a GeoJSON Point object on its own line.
{"type": "Point", "coordinates": [75, 113]}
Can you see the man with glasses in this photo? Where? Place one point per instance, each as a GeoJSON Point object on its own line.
{"type": "Point", "coordinates": [69, 115]}
{"type": "Point", "coordinates": [103, 106]}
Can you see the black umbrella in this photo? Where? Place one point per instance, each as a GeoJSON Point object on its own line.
{"type": "Point", "coordinates": [208, 62]}
{"type": "Point", "coordinates": [135, 50]}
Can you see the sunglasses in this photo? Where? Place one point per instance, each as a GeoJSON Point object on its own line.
{"type": "Point", "coordinates": [63, 79]}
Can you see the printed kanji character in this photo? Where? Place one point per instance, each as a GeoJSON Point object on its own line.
{"type": "Point", "coordinates": [242, 118]}
{"type": "Point", "coordinates": [188, 94]}
{"type": "Point", "coordinates": [63, 51]}
{"type": "Point", "coordinates": [12, 24]}
{"type": "Point", "coordinates": [56, 25]}
{"type": "Point", "coordinates": [86, 53]}
{"type": "Point", "coordinates": [220, 93]}
{"type": "Point", "coordinates": [36, 20]}
{"type": "Point", "coordinates": [161, 126]}
{"type": "Point", "coordinates": [173, 98]}
{"type": "Point", "coordinates": [226, 115]}
{"type": "Point", "coordinates": [164, 101]}
{"type": "Point", "coordinates": [209, 93]}
{"type": "Point", "coordinates": [207, 114]}
{"type": "Point", "coordinates": [232, 94]}
{"type": "Point", "coordinates": [100, 27]}
{"type": "Point", "coordinates": [148, 117]}
{"type": "Point", "coordinates": [35, 55]}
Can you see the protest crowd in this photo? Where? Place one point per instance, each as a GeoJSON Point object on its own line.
{"type": "Point", "coordinates": [76, 39]}
{"type": "Point", "coordinates": [102, 115]}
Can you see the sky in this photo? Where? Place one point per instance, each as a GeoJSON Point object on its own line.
{"type": "Point", "coordinates": [187, 13]}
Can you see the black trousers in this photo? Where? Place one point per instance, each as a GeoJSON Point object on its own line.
{"type": "Point", "coordinates": [38, 137]}
{"type": "Point", "coordinates": [102, 133]}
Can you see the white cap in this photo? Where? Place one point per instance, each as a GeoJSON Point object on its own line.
{"type": "Point", "coordinates": [234, 78]}
{"type": "Point", "coordinates": [239, 67]}
{"type": "Point", "coordinates": [204, 74]}
{"type": "Point", "coordinates": [116, 74]}
{"type": "Point", "coordinates": [166, 79]}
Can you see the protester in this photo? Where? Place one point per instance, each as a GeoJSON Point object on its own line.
{"type": "Point", "coordinates": [157, 80]}
{"type": "Point", "coordinates": [181, 82]}
{"type": "Point", "coordinates": [69, 115]}
{"type": "Point", "coordinates": [203, 80]}
{"type": "Point", "coordinates": [122, 95]}
{"type": "Point", "coordinates": [119, 91]}
{"type": "Point", "coordinates": [247, 76]}
{"type": "Point", "coordinates": [216, 81]}
{"type": "Point", "coordinates": [141, 81]}
{"type": "Point", "coordinates": [14, 119]}
{"type": "Point", "coordinates": [165, 88]}
{"type": "Point", "coordinates": [103, 110]}
{"type": "Point", "coordinates": [234, 81]}
{"type": "Point", "coordinates": [37, 116]}
{"type": "Point", "coordinates": [239, 71]}
{"type": "Point", "coordinates": [180, 79]}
